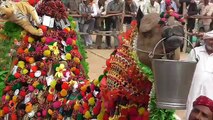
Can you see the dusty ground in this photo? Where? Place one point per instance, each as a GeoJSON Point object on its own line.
{"type": "Point", "coordinates": [97, 59]}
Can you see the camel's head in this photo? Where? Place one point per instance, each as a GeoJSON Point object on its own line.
{"type": "Point", "coordinates": [151, 32]}
{"type": "Point", "coordinates": [173, 33]}
{"type": "Point", "coordinates": [6, 9]}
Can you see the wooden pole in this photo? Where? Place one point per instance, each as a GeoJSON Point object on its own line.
{"type": "Point", "coordinates": [185, 28]}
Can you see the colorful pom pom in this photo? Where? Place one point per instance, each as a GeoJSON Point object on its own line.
{"type": "Point", "coordinates": [35, 83]}
{"type": "Point", "coordinates": [69, 41]}
{"type": "Point", "coordinates": [77, 60]}
{"type": "Point", "coordinates": [7, 88]}
{"type": "Point", "coordinates": [22, 93]}
{"type": "Point", "coordinates": [47, 53]}
{"type": "Point", "coordinates": [44, 28]}
{"type": "Point", "coordinates": [24, 71]}
{"type": "Point", "coordinates": [68, 56]}
{"type": "Point", "coordinates": [21, 64]}
{"type": "Point", "coordinates": [32, 74]}
{"type": "Point", "coordinates": [77, 106]}
{"type": "Point", "coordinates": [87, 115]}
{"type": "Point", "coordinates": [31, 60]}
{"type": "Point", "coordinates": [14, 98]}
{"type": "Point", "coordinates": [30, 39]}
{"type": "Point", "coordinates": [50, 112]}
{"type": "Point", "coordinates": [52, 84]}
{"type": "Point", "coordinates": [65, 86]}
{"type": "Point", "coordinates": [14, 116]}
{"type": "Point", "coordinates": [91, 101]}
{"type": "Point", "coordinates": [1, 113]}
{"type": "Point", "coordinates": [44, 113]}
{"type": "Point", "coordinates": [57, 104]}
{"type": "Point", "coordinates": [77, 71]}
{"type": "Point", "coordinates": [6, 110]}
{"type": "Point", "coordinates": [67, 29]}
{"type": "Point", "coordinates": [17, 75]}
{"type": "Point", "coordinates": [29, 108]}
{"type": "Point", "coordinates": [63, 92]}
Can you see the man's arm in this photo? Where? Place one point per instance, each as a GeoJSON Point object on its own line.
{"type": "Point", "coordinates": [162, 7]}
{"type": "Point", "coordinates": [158, 7]}
{"type": "Point", "coordinates": [81, 10]}
{"type": "Point", "coordinates": [174, 6]}
{"type": "Point", "coordinates": [145, 10]}
{"type": "Point", "coordinates": [134, 7]}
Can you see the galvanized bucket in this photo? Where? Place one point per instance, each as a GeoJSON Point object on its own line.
{"type": "Point", "coordinates": [172, 81]}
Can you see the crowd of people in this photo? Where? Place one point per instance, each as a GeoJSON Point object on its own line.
{"type": "Point", "coordinates": [91, 11]}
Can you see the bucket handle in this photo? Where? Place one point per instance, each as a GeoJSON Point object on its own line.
{"type": "Point", "coordinates": [151, 54]}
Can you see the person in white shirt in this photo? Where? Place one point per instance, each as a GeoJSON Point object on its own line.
{"type": "Point", "coordinates": [202, 82]}
{"type": "Point", "coordinates": [141, 4]}
{"type": "Point", "coordinates": [206, 10]}
{"type": "Point", "coordinates": [86, 22]}
{"type": "Point", "coordinates": [152, 7]}
{"type": "Point", "coordinates": [101, 10]}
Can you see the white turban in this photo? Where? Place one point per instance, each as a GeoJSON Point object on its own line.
{"type": "Point", "coordinates": [208, 35]}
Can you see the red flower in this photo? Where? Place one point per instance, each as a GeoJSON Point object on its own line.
{"type": "Point", "coordinates": [17, 75]}
{"type": "Point", "coordinates": [134, 23]}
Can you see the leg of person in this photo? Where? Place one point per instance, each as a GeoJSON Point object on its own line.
{"type": "Point", "coordinates": [116, 27]}
{"type": "Point", "coordinates": [99, 41]}
{"type": "Point", "coordinates": [81, 26]}
{"type": "Point", "coordinates": [98, 23]}
{"type": "Point", "coordinates": [91, 24]}
{"type": "Point", "coordinates": [108, 26]}
{"type": "Point", "coordinates": [86, 36]}
{"type": "Point", "coordinates": [99, 37]}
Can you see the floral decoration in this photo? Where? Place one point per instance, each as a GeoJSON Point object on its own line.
{"type": "Point", "coordinates": [54, 48]}
{"type": "Point", "coordinates": [59, 71]}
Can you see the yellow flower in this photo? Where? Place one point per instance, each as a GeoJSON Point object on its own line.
{"type": "Point", "coordinates": [68, 56]}
{"type": "Point", "coordinates": [30, 39]}
{"type": "Point", "coordinates": [54, 48]}
{"type": "Point", "coordinates": [21, 64]}
{"type": "Point", "coordinates": [60, 70]}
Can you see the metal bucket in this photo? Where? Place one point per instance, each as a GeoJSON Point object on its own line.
{"type": "Point", "coordinates": [172, 82]}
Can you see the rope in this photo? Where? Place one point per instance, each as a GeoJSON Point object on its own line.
{"type": "Point", "coordinates": [100, 56]}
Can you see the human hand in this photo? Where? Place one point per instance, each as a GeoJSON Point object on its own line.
{"type": "Point", "coordinates": [85, 15]}
{"type": "Point", "coordinates": [133, 14]}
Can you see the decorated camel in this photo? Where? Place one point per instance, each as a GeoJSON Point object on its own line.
{"type": "Point", "coordinates": [49, 77]}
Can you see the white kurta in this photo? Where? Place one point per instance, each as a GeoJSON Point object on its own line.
{"type": "Point", "coordinates": [202, 83]}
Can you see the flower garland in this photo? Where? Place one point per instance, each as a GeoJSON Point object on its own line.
{"type": "Point", "coordinates": [124, 89]}
{"type": "Point", "coordinates": [165, 15]}
{"type": "Point", "coordinates": [155, 113]}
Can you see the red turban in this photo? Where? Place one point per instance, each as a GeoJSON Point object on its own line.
{"type": "Point", "coordinates": [205, 101]}
{"type": "Point", "coordinates": [168, 2]}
